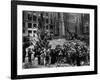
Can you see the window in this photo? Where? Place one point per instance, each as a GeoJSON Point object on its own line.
{"type": "Point", "coordinates": [29, 25]}
{"type": "Point", "coordinates": [29, 31]}
{"type": "Point", "coordinates": [46, 20]}
{"type": "Point", "coordinates": [34, 18]}
{"type": "Point", "coordinates": [34, 31]}
{"type": "Point", "coordinates": [46, 27]}
{"type": "Point", "coordinates": [29, 17]}
{"type": "Point", "coordinates": [34, 25]}
{"type": "Point", "coordinates": [51, 27]}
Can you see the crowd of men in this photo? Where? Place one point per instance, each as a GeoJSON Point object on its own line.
{"type": "Point", "coordinates": [72, 53]}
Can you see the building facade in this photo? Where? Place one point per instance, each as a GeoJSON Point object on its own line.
{"type": "Point", "coordinates": [43, 21]}
{"type": "Point", "coordinates": [59, 24]}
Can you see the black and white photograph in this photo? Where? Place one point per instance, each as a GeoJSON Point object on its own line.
{"type": "Point", "coordinates": [55, 39]}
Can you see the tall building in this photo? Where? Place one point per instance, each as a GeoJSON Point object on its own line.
{"type": "Point", "coordinates": [41, 21]}
{"type": "Point", "coordinates": [59, 24]}
{"type": "Point", "coordinates": [77, 23]}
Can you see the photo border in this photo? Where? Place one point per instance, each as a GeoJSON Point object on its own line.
{"type": "Point", "coordinates": [14, 39]}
